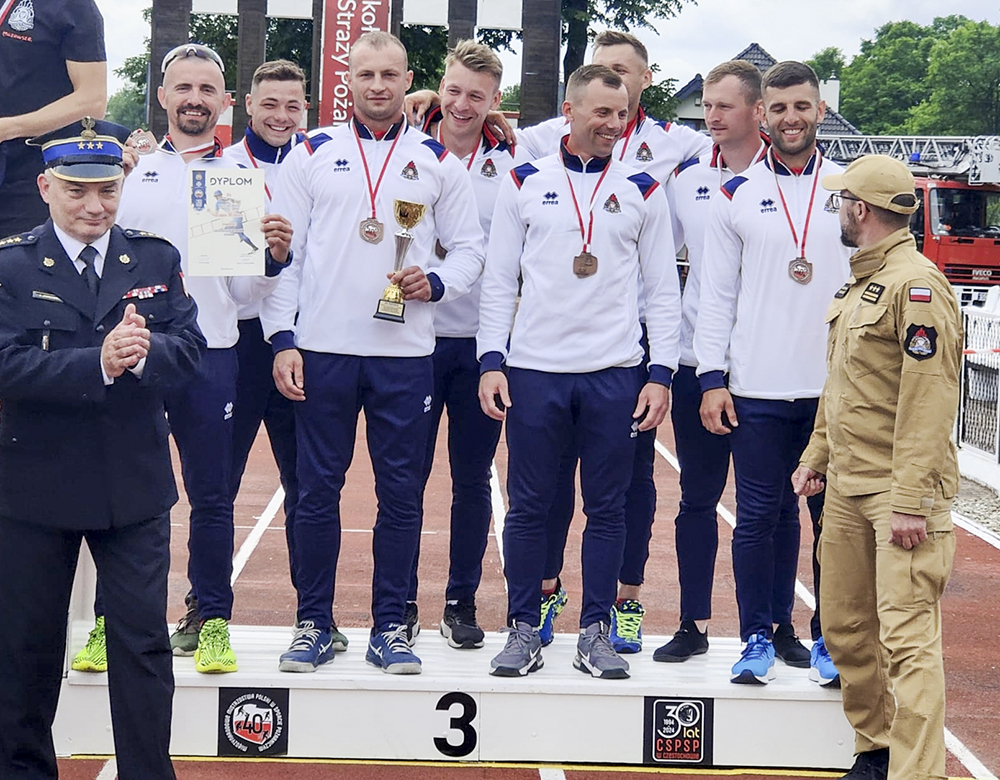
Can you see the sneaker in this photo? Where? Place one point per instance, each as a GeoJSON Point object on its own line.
{"type": "Point", "coordinates": [522, 654]}
{"type": "Point", "coordinates": [688, 641]}
{"type": "Point", "coordinates": [459, 626]}
{"type": "Point", "coordinates": [310, 648]}
{"type": "Point", "coordinates": [788, 648]}
{"type": "Point", "coordinates": [94, 656]}
{"type": "Point", "coordinates": [552, 607]}
{"type": "Point", "coordinates": [184, 640]}
{"type": "Point", "coordinates": [390, 651]}
{"type": "Point", "coordinates": [214, 654]}
{"type": "Point", "coordinates": [412, 620]}
{"type": "Point", "coordinates": [340, 641]}
{"type": "Point", "coordinates": [871, 765]}
{"type": "Point", "coordinates": [821, 668]}
{"type": "Point", "coordinates": [626, 626]}
{"type": "Point", "coordinates": [756, 664]}
{"type": "Point", "coordinates": [596, 656]}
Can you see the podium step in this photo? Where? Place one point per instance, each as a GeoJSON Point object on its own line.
{"type": "Point", "coordinates": [666, 714]}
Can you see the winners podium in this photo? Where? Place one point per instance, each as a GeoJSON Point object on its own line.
{"type": "Point", "coordinates": [670, 715]}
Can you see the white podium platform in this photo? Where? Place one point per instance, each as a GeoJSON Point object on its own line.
{"type": "Point", "coordinates": [666, 714]}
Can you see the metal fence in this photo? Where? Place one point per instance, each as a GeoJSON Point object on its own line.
{"type": "Point", "coordinates": [979, 412]}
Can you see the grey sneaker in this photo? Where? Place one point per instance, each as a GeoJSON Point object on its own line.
{"type": "Point", "coordinates": [595, 655]}
{"type": "Point", "coordinates": [521, 655]}
{"type": "Point", "coordinates": [184, 640]}
{"type": "Point", "coordinates": [412, 620]}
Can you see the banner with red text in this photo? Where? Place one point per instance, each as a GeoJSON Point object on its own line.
{"type": "Point", "coordinates": [344, 21]}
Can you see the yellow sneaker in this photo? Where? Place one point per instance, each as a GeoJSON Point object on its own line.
{"type": "Point", "coordinates": [214, 654]}
{"type": "Point", "coordinates": [94, 656]}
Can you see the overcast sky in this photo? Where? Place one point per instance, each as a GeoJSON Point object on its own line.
{"type": "Point", "coordinates": [699, 38]}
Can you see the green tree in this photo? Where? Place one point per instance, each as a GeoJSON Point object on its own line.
{"type": "Point", "coordinates": [510, 98]}
{"type": "Point", "coordinates": [426, 48]}
{"type": "Point", "coordinates": [888, 77]}
{"type": "Point", "coordinates": [658, 98]}
{"type": "Point", "coordinates": [828, 63]}
{"type": "Point", "coordinates": [127, 107]}
{"type": "Point", "coordinates": [963, 84]}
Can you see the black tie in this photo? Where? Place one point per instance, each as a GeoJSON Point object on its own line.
{"type": "Point", "coordinates": [88, 255]}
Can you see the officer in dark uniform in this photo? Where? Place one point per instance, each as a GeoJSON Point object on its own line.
{"type": "Point", "coordinates": [95, 326]}
{"type": "Point", "coordinates": [52, 72]}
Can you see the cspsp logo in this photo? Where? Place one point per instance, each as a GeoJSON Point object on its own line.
{"type": "Point", "coordinates": [678, 731]}
{"type": "Point", "coordinates": [550, 199]}
{"type": "Point", "coordinates": [489, 169]}
{"type": "Point", "coordinates": [410, 171]}
{"type": "Point", "coordinates": [612, 206]}
{"type": "Point", "coordinates": [767, 206]}
{"type": "Point", "coordinates": [427, 403]}
{"type": "Point", "coordinates": [704, 193]}
{"type": "Point", "coordinates": [22, 18]}
{"type": "Point", "coordinates": [644, 154]}
{"type": "Point", "coordinates": [253, 722]}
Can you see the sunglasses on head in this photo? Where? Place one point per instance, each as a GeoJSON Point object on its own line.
{"type": "Point", "coordinates": [186, 50]}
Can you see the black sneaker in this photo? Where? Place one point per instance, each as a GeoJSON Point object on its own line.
{"type": "Point", "coordinates": [688, 641]}
{"type": "Point", "coordinates": [412, 620]}
{"type": "Point", "coordinates": [871, 765]}
{"type": "Point", "coordinates": [788, 648]}
{"type": "Point", "coordinates": [459, 626]}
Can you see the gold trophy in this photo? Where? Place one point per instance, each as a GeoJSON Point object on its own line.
{"type": "Point", "coordinates": [408, 215]}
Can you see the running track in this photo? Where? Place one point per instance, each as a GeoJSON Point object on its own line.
{"type": "Point", "coordinates": [265, 597]}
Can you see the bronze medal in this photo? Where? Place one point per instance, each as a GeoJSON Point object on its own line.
{"type": "Point", "coordinates": [371, 230]}
{"type": "Point", "coordinates": [144, 142]}
{"type": "Point", "coordinates": [584, 265]}
{"type": "Point", "coordinates": [800, 270]}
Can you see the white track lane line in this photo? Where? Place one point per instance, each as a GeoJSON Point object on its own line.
{"type": "Point", "coordinates": [499, 513]}
{"type": "Point", "coordinates": [109, 771]}
{"type": "Point", "coordinates": [251, 542]}
{"type": "Point", "coordinates": [954, 745]}
{"type": "Point", "coordinates": [550, 773]}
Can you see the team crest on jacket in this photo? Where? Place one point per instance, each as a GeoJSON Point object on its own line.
{"type": "Point", "coordinates": [612, 205]}
{"type": "Point", "coordinates": [410, 171]}
{"type": "Point", "coordinates": [644, 153]}
{"type": "Point", "coordinates": [22, 18]}
{"type": "Point", "coordinates": [489, 170]}
{"type": "Point", "coordinates": [921, 342]}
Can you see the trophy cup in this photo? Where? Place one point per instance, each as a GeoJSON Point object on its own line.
{"type": "Point", "coordinates": [408, 215]}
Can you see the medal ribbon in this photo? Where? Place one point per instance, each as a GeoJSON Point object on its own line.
{"type": "Point", "coordinates": [440, 140]}
{"type": "Point", "coordinates": [253, 162]}
{"type": "Point", "coordinates": [628, 134]}
{"type": "Point", "coordinates": [215, 145]}
{"type": "Point", "coordinates": [373, 191]}
{"type": "Point", "coordinates": [805, 230]}
{"type": "Point", "coordinates": [587, 234]}
{"type": "Point", "coordinates": [5, 10]}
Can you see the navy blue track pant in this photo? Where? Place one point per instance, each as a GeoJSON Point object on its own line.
{"type": "Point", "coordinates": [38, 565]}
{"type": "Point", "coordinates": [201, 421]}
{"type": "Point", "coordinates": [396, 395]}
{"type": "Point", "coordinates": [472, 443]}
{"type": "Point", "coordinates": [258, 400]}
{"type": "Point", "coordinates": [640, 503]}
{"type": "Point", "coordinates": [704, 462]}
{"type": "Point", "coordinates": [767, 445]}
{"type": "Point", "coordinates": [548, 413]}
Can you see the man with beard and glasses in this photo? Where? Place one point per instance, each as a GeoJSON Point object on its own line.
{"type": "Point", "coordinates": [201, 414]}
{"type": "Point", "coordinates": [343, 342]}
{"type": "Point", "coordinates": [772, 263]}
{"type": "Point", "coordinates": [883, 440]}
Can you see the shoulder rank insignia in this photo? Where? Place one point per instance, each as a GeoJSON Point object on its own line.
{"type": "Point", "coordinates": [843, 291]}
{"type": "Point", "coordinates": [921, 342]}
{"type": "Point", "coordinates": [18, 240]}
{"type": "Point", "coordinates": [872, 293]}
{"type": "Point", "coordinates": [132, 233]}
{"type": "Point", "coordinates": [920, 294]}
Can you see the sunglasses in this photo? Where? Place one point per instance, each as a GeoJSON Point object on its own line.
{"type": "Point", "coordinates": [836, 200]}
{"type": "Point", "coordinates": [186, 50]}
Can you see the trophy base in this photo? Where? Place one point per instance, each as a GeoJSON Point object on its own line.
{"type": "Point", "coordinates": [390, 311]}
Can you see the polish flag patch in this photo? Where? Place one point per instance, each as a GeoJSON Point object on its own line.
{"type": "Point", "coordinates": [920, 294]}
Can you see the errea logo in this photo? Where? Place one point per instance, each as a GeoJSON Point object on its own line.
{"type": "Point", "coordinates": [767, 206]}
{"type": "Point", "coordinates": [704, 193]}
{"type": "Point", "coordinates": [151, 176]}
{"type": "Point", "coordinates": [341, 166]}
{"type": "Point", "coordinates": [550, 199]}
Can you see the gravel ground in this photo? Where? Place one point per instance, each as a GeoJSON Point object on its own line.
{"type": "Point", "coordinates": [978, 503]}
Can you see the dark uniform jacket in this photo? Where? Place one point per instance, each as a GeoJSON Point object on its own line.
{"type": "Point", "coordinates": [74, 453]}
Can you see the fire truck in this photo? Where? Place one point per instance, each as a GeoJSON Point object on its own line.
{"type": "Point", "coordinates": [957, 225]}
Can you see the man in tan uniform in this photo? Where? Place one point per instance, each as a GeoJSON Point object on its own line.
{"type": "Point", "coordinates": [883, 440]}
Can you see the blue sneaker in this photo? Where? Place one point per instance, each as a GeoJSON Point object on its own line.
{"type": "Point", "coordinates": [310, 648]}
{"type": "Point", "coordinates": [390, 652]}
{"type": "Point", "coordinates": [756, 665]}
{"type": "Point", "coordinates": [552, 606]}
{"type": "Point", "coordinates": [626, 626]}
{"type": "Point", "coordinates": [821, 668]}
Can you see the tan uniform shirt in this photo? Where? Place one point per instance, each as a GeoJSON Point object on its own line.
{"type": "Point", "coordinates": [887, 413]}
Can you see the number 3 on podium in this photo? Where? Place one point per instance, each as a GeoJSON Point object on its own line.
{"type": "Point", "coordinates": [461, 723]}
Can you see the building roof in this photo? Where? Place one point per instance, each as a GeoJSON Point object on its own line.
{"type": "Point", "coordinates": [832, 124]}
